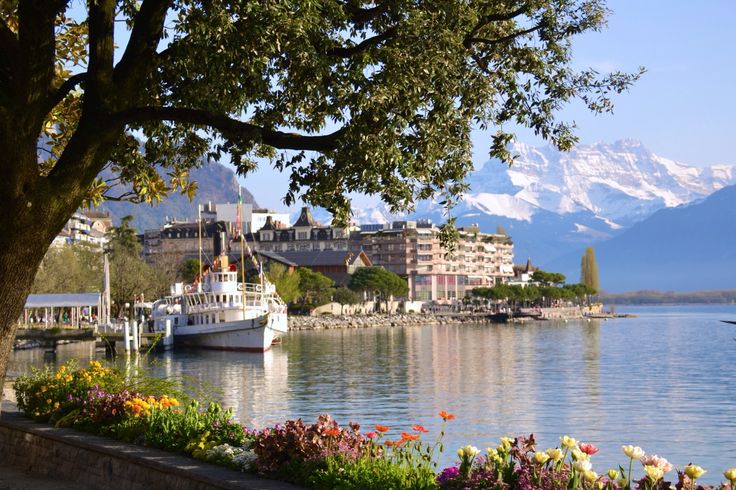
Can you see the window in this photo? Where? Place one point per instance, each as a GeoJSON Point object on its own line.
{"type": "Point", "coordinates": [302, 235]}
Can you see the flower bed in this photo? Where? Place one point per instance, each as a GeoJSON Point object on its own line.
{"type": "Point", "coordinates": [101, 400]}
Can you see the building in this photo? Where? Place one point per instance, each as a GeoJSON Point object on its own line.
{"type": "Point", "coordinates": [85, 226]}
{"type": "Point", "coordinates": [338, 265]}
{"type": "Point", "coordinates": [412, 249]}
{"type": "Point", "coordinates": [304, 235]}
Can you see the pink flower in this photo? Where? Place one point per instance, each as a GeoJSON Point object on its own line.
{"type": "Point", "coordinates": [419, 428]}
{"type": "Point", "coordinates": [588, 449]}
{"type": "Point", "coordinates": [657, 461]}
{"type": "Point", "coordinates": [371, 435]}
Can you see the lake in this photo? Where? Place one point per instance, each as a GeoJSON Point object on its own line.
{"type": "Point", "coordinates": [665, 381]}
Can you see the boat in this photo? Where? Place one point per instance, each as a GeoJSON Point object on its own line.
{"type": "Point", "coordinates": [732, 322]}
{"type": "Point", "coordinates": [218, 312]}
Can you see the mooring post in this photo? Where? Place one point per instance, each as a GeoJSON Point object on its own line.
{"type": "Point", "coordinates": [136, 339]}
{"type": "Point", "coordinates": [126, 336]}
{"type": "Point", "coordinates": [168, 337]}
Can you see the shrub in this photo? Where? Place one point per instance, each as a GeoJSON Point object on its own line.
{"type": "Point", "coordinates": [369, 473]}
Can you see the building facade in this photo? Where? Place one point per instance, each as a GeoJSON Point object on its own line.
{"type": "Point", "coordinates": [412, 249]}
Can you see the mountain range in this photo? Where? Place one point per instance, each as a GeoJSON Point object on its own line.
{"type": "Point", "coordinates": [215, 183]}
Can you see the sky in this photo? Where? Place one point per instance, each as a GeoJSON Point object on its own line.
{"type": "Point", "coordinates": [682, 108]}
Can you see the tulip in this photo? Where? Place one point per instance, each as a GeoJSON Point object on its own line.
{"type": "Point", "coordinates": [568, 442]}
{"type": "Point", "coordinates": [658, 461]}
{"type": "Point", "coordinates": [578, 455]}
{"type": "Point", "coordinates": [590, 476]}
{"type": "Point", "coordinates": [554, 453]}
{"type": "Point", "coordinates": [460, 453]}
{"type": "Point", "coordinates": [471, 450]}
{"type": "Point", "coordinates": [541, 457]}
{"type": "Point", "coordinates": [633, 452]}
{"type": "Point", "coordinates": [613, 474]}
{"type": "Point", "coordinates": [694, 472]}
{"type": "Point", "coordinates": [730, 475]}
{"type": "Point", "coordinates": [654, 473]}
{"type": "Point", "coordinates": [582, 466]}
{"type": "Point", "coordinates": [506, 442]}
{"type": "Point", "coordinates": [382, 428]}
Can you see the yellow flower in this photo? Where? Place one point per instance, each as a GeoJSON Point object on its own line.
{"type": "Point", "coordinates": [654, 473]}
{"type": "Point", "coordinates": [590, 476]}
{"type": "Point", "coordinates": [541, 457]}
{"type": "Point", "coordinates": [694, 472]}
{"type": "Point", "coordinates": [506, 441]}
{"type": "Point", "coordinates": [730, 475]}
{"type": "Point", "coordinates": [634, 452]}
{"type": "Point", "coordinates": [56, 405]}
{"type": "Point", "coordinates": [460, 453]}
{"type": "Point", "coordinates": [48, 401]}
{"type": "Point", "coordinates": [554, 453]}
{"type": "Point", "coordinates": [568, 442]}
{"type": "Point", "coordinates": [578, 455]}
{"type": "Point", "coordinates": [470, 451]}
{"type": "Point", "coordinates": [613, 474]}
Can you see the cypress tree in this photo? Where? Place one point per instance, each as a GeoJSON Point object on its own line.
{"type": "Point", "coordinates": [589, 269]}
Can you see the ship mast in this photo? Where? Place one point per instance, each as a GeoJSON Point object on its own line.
{"type": "Point", "coordinates": [239, 224]}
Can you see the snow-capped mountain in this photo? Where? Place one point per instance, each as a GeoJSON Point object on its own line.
{"type": "Point", "coordinates": [621, 183]}
{"type": "Point", "coordinates": [550, 201]}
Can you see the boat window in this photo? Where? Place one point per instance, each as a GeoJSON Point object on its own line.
{"type": "Point", "coordinates": [176, 320]}
{"type": "Point", "coordinates": [222, 316]}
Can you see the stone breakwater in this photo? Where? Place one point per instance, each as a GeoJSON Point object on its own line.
{"type": "Point", "coordinates": [326, 322]}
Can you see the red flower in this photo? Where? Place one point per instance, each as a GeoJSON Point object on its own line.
{"type": "Point", "coordinates": [419, 428]}
{"type": "Point", "coordinates": [371, 435]}
{"type": "Point", "coordinates": [332, 432]}
{"type": "Point", "coordinates": [588, 449]}
{"type": "Point", "coordinates": [389, 444]}
{"type": "Point", "coordinates": [446, 416]}
{"type": "Point", "coordinates": [405, 436]}
{"type": "Point", "coordinates": [382, 428]}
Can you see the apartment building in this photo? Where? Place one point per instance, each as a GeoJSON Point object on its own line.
{"type": "Point", "coordinates": [412, 249]}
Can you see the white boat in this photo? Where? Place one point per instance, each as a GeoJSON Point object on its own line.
{"type": "Point", "coordinates": [219, 312]}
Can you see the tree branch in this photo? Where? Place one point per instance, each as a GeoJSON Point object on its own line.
{"type": "Point", "coordinates": [346, 52]}
{"type": "Point", "coordinates": [141, 50]}
{"type": "Point", "coordinates": [361, 16]}
{"type": "Point", "coordinates": [99, 86]}
{"type": "Point", "coordinates": [36, 41]}
{"type": "Point", "coordinates": [487, 19]}
{"type": "Point", "coordinates": [231, 128]}
{"type": "Point", "coordinates": [503, 39]}
{"type": "Point", "coordinates": [69, 84]}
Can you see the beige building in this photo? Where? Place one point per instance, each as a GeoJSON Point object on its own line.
{"type": "Point", "coordinates": [412, 249]}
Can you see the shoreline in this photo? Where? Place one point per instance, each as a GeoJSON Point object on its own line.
{"type": "Point", "coordinates": [330, 322]}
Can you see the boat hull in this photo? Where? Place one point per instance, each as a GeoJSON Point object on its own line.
{"type": "Point", "coordinates": [251, 335]}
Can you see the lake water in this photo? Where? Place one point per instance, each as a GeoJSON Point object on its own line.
{"type": "Point", "coordinates": [665, 381]}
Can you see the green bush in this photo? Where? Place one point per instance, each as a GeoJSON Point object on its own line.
{"type": "Point", "coordinates": [371, 473]}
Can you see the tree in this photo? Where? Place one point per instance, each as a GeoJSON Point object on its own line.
{"type": "Point", "coordinates": [286, 281]}
{"type": "Point", "coordinates": [344, 296]}
{"type": "Point", "coordinates": [589, 269]}
{"type": "Point", "coordinates": [500, 230]}
{"type": "Point", "coordinates": [75, 268]}
{"type": "Point", "coordinates": [314, 286]}
{"type": "Point", "coordinates": [379, 281]}
{"type": "Point", "coordinates": [189, 270]}
{"type": "Point", "coordinates": [345, 95]}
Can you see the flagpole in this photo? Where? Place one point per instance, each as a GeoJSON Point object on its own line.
{"type": "Point", "coordinates": [199, 221]}
{"type": "Point", "coordinates": [242, 246]}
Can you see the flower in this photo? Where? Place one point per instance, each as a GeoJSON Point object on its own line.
{"type": "Point", "coordinates": [613, 474]}
{"type": "Point", "coordinates": [332, 432]}
{"type": "Point", "coordinates": [654, 473]}
{"type": "Point", "coordinates": [541, 457]}
{"type": "Point", "coordinates": [405, 436]}
{"type": "Point", "coordinates": [578, 455]}
{"type": "Point", "coordinates": [506, 442]}
{"type": "Point", "coordinates": [568, 442]}
{"type": "Point", "coordinates": [382, 428]}
{"type": "Point", "coordinates": [419, 428]}
{"type": "Point", "coordinates": [657, 461]}
{"type": "Point", "coordinates": [446, 416]}
{"type": "Point", "coordinates": [582, 465]}
{"type": "Point", "coordinates": [633, 452]}
{"type": "Point", "coordinates": [588, 449]}
{"type": "Point", "coordinates": [371, 435]}
{"type": "Point", "coordinates": [730, 475]}
{"type": "Point", "coordinates": [590, 476]}
{"type": "Point", "coordinates": [468, 451]}
{"type": "Point", "coordinates": [554, 453]}
{"type": "Point", "coordinates": [694, 471]}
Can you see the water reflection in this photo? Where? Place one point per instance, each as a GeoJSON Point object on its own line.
{"type": "Point", "coordinates": [662, 381]}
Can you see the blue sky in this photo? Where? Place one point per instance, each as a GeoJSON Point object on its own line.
{"type": "Point", "coordinates": [683, 108]}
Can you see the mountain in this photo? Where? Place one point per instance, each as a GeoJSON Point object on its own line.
{"type": "Point", "coordinates": [687, 248]}
{"type": "Point", "coordinates": [215, 183]}
{"type": "Point", "coordinates": [551, 202]}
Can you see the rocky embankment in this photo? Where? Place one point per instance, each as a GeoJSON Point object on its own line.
{"type": "Point", "coordinates": [376, 320]}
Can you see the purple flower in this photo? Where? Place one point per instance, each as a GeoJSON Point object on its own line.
{"type": "Point", "coordinates": [448, 474]}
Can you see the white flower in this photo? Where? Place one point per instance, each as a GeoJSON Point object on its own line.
{"type": "Point", "coordinates": [582, 465]}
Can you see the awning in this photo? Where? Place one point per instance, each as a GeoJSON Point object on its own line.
{"type": "Point", "coordinates": [62, 300]}
{"type": "Point", "coordinates": [507, 268]}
